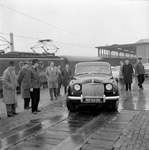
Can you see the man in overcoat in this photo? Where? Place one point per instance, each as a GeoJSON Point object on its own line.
{"type": "Point", "coordinates": [66, 76]}
{"type": "Point", "coordinates": [52, 80]}
{"type": "Point", "coordinates": [59, 80]}
{"type": "Point", "coordinates": [120, 72]}
{"type": "Point", "coordinates": [140, 72]}
{"type": "Point", "coordinates": [127, 72]}
{"type": "Point", "coordinates": [36, 84]}
{"type": "Point", "coordinates": [23, 80]}
{"type": "Point", "coordinates": [9, 89]}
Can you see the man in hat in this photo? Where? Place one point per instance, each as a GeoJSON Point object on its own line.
{"type": "Point", "coordinates": [23, 80]}
{"type": "Point", "coordinates": [127, 72]}
{"type": "Point", "coordinates": [36, 84]}
{"type": "Point", "coordinates": [59, 80]}
{"type": "Point", "coordinates": [66, 75]}
{"type": "Point", "coordinates": [140, 72]}
{"type": "Point", "coordinates": [9, 89]}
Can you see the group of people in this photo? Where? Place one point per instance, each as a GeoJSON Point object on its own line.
{"type": "Point", "coordinates": [30, 82]}
{"type": "Point", "coordinates": [127, 71]}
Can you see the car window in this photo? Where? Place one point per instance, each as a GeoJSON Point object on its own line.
{"type": "Point", "coordinates": [92, 69]}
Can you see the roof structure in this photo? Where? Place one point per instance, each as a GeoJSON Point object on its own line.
{"type": "Point", "coordinates": [129, 48]}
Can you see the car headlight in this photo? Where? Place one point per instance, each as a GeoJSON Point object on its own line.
{"type": "Point", "coordinates": [77, 87]}
{"type": "Point", "coordinates": [108, 87]}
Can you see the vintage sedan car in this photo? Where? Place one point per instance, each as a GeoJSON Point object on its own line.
{"type": "Point", "coordinates": [92, 84]}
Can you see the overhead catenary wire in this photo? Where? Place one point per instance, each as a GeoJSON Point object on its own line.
{"type": "Point", "coordinates": [50, 24]}
{"type": "Point", "coordinates": [34, 38]}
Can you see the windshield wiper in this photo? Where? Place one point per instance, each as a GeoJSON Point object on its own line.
{"type": "Point", "coordinates": [82, 73]}
{"type": "Point", "coordinates": [95, 72]}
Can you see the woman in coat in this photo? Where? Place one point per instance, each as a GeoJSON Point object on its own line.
{"type": "Point", "coordinates": [52, 79]}
{"type": "Point", "coordinates": [23, 80]}
{"type": "Point", "coordinates": [66, 75]}
{"type": "Point", "coordinates": [9, 89]}
{"type": "Point", "coordinates": [127, 74]}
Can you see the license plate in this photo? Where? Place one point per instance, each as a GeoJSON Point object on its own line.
{"type": "Point", "coordinates": [91, 100]}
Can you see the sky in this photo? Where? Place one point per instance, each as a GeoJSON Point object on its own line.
{"type": "Point", "coordinates": [75, 26]}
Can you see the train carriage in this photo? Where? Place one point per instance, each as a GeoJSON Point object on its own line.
{"type": "Point", "coordinates": [44, 61]}
{"type": "Point", "coordinates": [20, 57]}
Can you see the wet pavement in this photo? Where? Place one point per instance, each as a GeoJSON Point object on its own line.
{"type": "Point", "coordinates": [57, 129]}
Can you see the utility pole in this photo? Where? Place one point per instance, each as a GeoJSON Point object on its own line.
{"type": "Point", "coordinates": [11, 42]}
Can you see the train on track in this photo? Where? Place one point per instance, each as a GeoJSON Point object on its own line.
{"type": "Point", "coordinates": [44, 61]}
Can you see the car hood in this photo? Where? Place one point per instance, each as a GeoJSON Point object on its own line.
{"type": "Point", "coordinates": [92, 78]}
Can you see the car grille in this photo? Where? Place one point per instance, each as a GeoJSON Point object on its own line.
{"type": "Point", "coordinates": [93, 89]}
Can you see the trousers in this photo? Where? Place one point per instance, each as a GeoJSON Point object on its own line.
{"type": "Point", "coordinates": [128, 86]}
{"type": "Point", "coordinates": [35, 97]}
{"type": "Point", "coordinates": [141, 79]}
{"type": "Point", "coordinates": [11, 109]}
{"type": "Point", "coordinates": [26, 102]}
{"type": "Point", "coordinates": [52, 91]}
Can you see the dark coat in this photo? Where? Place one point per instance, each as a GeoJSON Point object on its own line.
{"type": "Point", "coordinates": [66, 76]}
{"type": "Point", "coordinates": [59, 77]}
{"type": "Point", "coordinates": [23, 80]}
{"type": "Point", "coordinates": [127, 73]}
{"type": "Point", "coordinates": [34, 78]}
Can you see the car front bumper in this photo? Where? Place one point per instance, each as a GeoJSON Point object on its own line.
{"type": "Point", "coordinates": [105, 98]}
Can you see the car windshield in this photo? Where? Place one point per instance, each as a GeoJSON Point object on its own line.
{"type": "Point", "coordinates": [85, 69]}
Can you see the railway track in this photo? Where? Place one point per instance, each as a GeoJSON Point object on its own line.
{"type": "Point", "coordinates": [64, 131]}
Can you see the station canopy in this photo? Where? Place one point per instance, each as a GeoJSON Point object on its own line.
{"type": "Point", "coordinates": [128, 48]}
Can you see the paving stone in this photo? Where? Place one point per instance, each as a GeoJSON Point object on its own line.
{"type": "Point", "coordinates": [107, 137]}
{"type": "Point", "coordinates": [95, 147]}
{"type": "Point", "coordinates": [103, 143]}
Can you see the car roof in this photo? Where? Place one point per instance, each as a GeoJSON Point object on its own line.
{"type": "Point", "coordinates": [87, 63]}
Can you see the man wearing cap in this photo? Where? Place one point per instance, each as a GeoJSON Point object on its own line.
{"type": "Point", "coordinates": [140, 72]}
{"type": "Point", "coordinates": [23, 80]}
{"type": "Point", "coordinates": [36, 84]}
{"type": "Point", "coordinates": [9, 89]}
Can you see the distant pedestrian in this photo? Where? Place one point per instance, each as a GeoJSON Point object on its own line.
{"type": "Point", "coordinates": [36, 84]}
{"type": "Point", "coordinates": [140, 72]}
{"type": "Point", "coordinates": [66, 75]}
{"type": "Point", "coordinates": [23, 80]}
{"type": "Point", "coordinates": [120, 73]}
{"type": "Point", "coordinates": [59, 80]}
{"type": "Point", "coordinates": [52, 79]}
{"type": "Point", "coordinates": [9, 89]}
{"type": "Point", "coordinates": [127, 74]}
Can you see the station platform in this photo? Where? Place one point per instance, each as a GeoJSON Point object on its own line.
{"type": "Point", "coordinates": [128, 130]}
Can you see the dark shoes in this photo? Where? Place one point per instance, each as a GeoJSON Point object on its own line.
{"type": "Point", "coordinates": [27, 108]}
{"type": "Point", "coordinates": [51, 98]}
{"type": "Point", "coordinates": [10, 115]}
{"type": "Point", "coordinates": [127, 89]}
{"type": "Point", "coordinates": [34, 112]}
{"type": "Point", "coordinates": [15, 113]}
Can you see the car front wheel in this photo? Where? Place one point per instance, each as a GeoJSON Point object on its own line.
{"type": "Point", "coordinates": [72, 107]}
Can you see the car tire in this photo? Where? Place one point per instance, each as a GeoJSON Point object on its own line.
{"type": "Point", "coordinates": [114, 105]}
{"type": "Point", "coordinates": [72, 107]}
